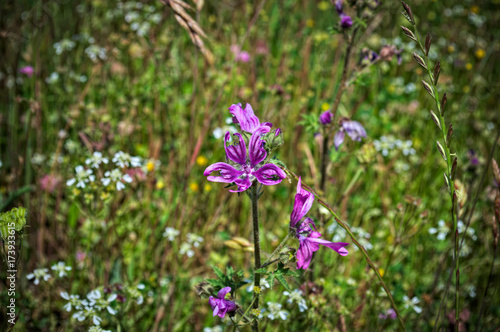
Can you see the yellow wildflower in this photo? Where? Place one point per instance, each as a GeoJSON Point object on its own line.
{"type": "Point", "coordinates": [468, 66]}
{"type": "Point", "coordinates": [201, 160]}
{"type": "Point", "coordinates": [480, 53]}
{"type": "Point", "coordinates": [194, 186]}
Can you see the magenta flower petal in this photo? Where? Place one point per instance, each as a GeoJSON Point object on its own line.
{"type": "Point", "coordinates": [222, 293]}
{"type": "Point", "coordinates": [338, 139]}
{"type": "Point", "coordinates": [256, 151]}
{"type": "Point", "coordinates": [304, 254]}
{"type": "Point", "coordinates": [302, 204]}
{"type": "Point", "coordinates": [337, 246]}
{"type": "Point", "coordinates": [242, 183]}
{"type": "Point", "coordinates": [270, 174]}
{"type": "Point", "coordinates": [228, 173]}
{"type": "Point", "coordinates": [28, 71]}
{"type": "Point", "coordinates": [325, 117]}
{"type": "Point", "coordinates": [237, 152]}
{"type": "Point", "coordinates": [245, 117]}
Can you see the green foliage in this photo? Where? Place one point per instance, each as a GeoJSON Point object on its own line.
{"type": "Point", "coordinates": [15, 218]}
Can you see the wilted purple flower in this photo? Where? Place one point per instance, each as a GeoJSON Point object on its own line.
{"type": "Point", "coordinates": [28, 71]}
{"type": "Point", "coordinates": [345, 21]}
{"type": "Point", "coordinates": [388, 51]}
{"type": "Point", "coordinates": [326, 118]}
{"type": "Point", "coordinates": [248, 167]}
{"type": "Point", "coordinates": [309, 239]}
{"type": "Point", "coordinates": [473, 157]}
{"type": "Point", "coordinates": [390, 313]}
{"type": "Point", "coordinates": [353, 128]}
{"type": "Point", "coordinates": [220, 305]}
{"type": "Point", "coordinates": [247, 120]}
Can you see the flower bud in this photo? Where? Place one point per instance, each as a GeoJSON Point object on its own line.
{"type": "Point", "coordinates": [326, 118]}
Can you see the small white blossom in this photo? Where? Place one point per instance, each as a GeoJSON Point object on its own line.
{"type": "Point", "coordinates": [385, 144]}
{"type": "Point", "coordinates": [274, 311]}
{"type": "Point", "coordinates": [116, 176]}
{"type": "Point", "coordinates": [263, 284]}
{"type": "Point", "coordinates": [61, 269]}
{"type": "Point", "coordinates": [216, 328]}
{"type": "Point", "coordinates": [296, 296]}
{"type": "Point", "coordinates": [39, 274]}
{"type": "Point", "coordinates": [412, 303]}
{"type": "Point", "coordinates": [405, 147]}
{"type": "Point", "coordinates": [73, 301]}
{"type": "Point", "coordinates": [37, 158]}
{"type": "Point", "coordinates": [95, 52]}
{"type": "Point", "coordinates": [64, 45]}
{"type": "Point", "coordinates": [170, 233]}
{"type": "Point", "coordinates": [96, 160]}
{"type": "Point", "coordinates": [123, 159]}
{"type": "Point", "coordinates": [97, 329]}
{"type": "Point", "coordinates": [186, 249]}
{"type": "Point", "coordinates": [442, 230]}
{"type": "Point", "coordinates": [82, 176]}
{"type": "Point", "coordinates": [470, 231]}
{"type": "Point", "coordinates": [194, 239]}
{"type": "Point", "coordinates": [53, 78]}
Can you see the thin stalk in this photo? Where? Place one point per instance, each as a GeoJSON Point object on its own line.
{"type": "Point", "coordinates": [449, 163]}
{"type": "Point", "coordinates": [256, 243]}
{"type": "Point", "coordinates": [355, 178]}
{"type": "Point", "coordinates": [278, 248]}
{"type": "Point", "coordinates": [324, 161]}
{"type": "Point", "coordinates": [342, 224]}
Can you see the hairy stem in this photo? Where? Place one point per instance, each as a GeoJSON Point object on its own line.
{"type": "Point", "coordinates": [256, 243]}
{"type": "Point", "coordinates": [342, 224]}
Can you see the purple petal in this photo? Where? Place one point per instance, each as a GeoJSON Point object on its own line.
{"type": "Point", "coordinates": [345, 21]}
{"type": "Point", "coordinates": [354, 129]}
{"type": "Point", "coordinates": [338, 139]}
{"type": "Point", "coordinates": [304, 253]}
{"type": "Point", "coordinates": [246, 118]}
{"type": "Point", "coordinates": [228, 173]}
{"type": "Point", "coordinates": [243, 184]}
{"type": "Point", "coordinates": [230, 305]}
{"type": "Point", "coordinates": [256, 152]}
{"type": "Point", "coordinates": [337, 246]}
{"type": "Point", "coordinates": [238, 152]}
{"type": "Point", "coordinates": [222, 293]}
{"type": "Point", "coordinates": [302, 204]}
{"type": "Point", "coordinates": [270, 174]}
{"type": "Point", "coordinates": [325, 118]}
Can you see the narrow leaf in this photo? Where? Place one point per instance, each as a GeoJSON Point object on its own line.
{"type": "Point", "coordinates": [262, 270]}
{"type": "Point", "coordinates": [447, 181]}
{"type": "Point", "coordinates": [270, 280]}
{"type": "Point", "coordinates": [218, 272]}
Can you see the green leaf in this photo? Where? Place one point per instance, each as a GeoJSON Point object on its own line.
{"type": "Point", "coordinates": [270, 280]}
{"type": "Point", "coordinates": [218, 272]}
{"type": "Point", "coordinates": [282, 280]}
{"type": "Point", "coordinates": [262, 270]}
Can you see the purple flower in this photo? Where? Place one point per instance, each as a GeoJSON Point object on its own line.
{"type": "Point", "coordinates": [354, 129]}
{"type": "Point", "coordinates": [248, 167]}
{"type": "Point", "coordinates": [309, 239]}
{"type": "Point", "coordinates": [243, 56]}
{"type": "Point", "coordinates": [247, 120]}
{"type": "Point", "coordinates": [325, 118]}
{"type": "Point", "coordinates": [28, 71]}
{"type": "Point", "coordinates": [220, 305]}
{"type": "Point", "coordinates": [339, 7]}
{"type": "Point", "coordinates": [345, 21]}
{"type": "Point", "coordinates": [390, 313]}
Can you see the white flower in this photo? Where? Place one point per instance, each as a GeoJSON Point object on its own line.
{"type": "Point", "coordinates": [53, 78]}
{"type": "Point", "coordinates": [412, 303]}
{"type": "Point", "coordinates": [82, 176]}
{"type": "Point", "coordinates": [263, 284]}
{"type": "Point", "coordinates": [71, 146]}
{"type": "Point", "coordinates": [95, 52]}
{"type": "Point", "coordinates": [185, 249]}
{"type": "Point", "coordinates": [296, 296]}
{"type": "Point", "coordinates": [275, 311]}
{"type": "Point", "coordinates": [470, 231]}
{"type": "Point", "coordinates": [219, 132]}
{"type": "Point", "coordinates": [135, 293]}
{"type": "Point", "coordinates": [39, 274]}
{"type": "Point", "coordinates": [405, 147]}
{"type": "Point", "coordinates": [123, 159]}
{"type": "Point", "coordinates": [216, 328]}
{"type": "Point", "coordinates": [99, 302]}
{"type": "Point", "coordinates": [64, 45]}
{"type": "Point", "coordinates": [61, 269]}
{"type": "Point", "coordinates": [194, 239]}
{"type": "Point", "coordinates": [116, 176]}
{"type": "Point", "coordinates": [96, 160]}
{"type": "Point", "coordinates": [37, 159]}
{"type": "Point", "coordinates": [442, 230]}
{"type": "Point", "coordinates": [97, 329]}
{"type": "Point", "coordinates": [385, 144]}
{"type": "Point", "coordinates": [170, 233]}
{"type": "Point", "coordinates": [73, 301]}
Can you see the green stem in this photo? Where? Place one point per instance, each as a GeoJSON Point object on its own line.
{"type": "Point", "coordinates": [351, 183]}
{"type": "Point", "coordinates": [256, 243]}
{"type": "Point", "coordinates": [278, 248]}
{"type": "Point", "coordinates": [348, 230]}
{"type": "Point", "coordinates": [449, 162]}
